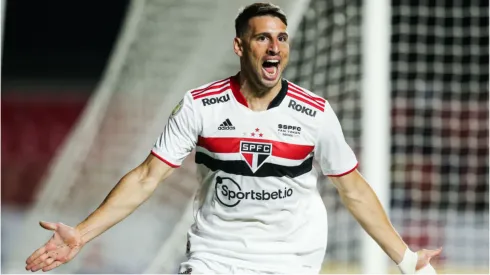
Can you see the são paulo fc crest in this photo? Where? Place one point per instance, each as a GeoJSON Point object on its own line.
{"type": "Point", "coordinates": [255, 153]}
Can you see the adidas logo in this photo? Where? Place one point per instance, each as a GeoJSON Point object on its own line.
{"type": "Point", "coordinates": [226, 125]}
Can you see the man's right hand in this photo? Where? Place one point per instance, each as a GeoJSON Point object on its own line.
{"type": "Point", "coordinates": [129, 193]}
{"type": "Point", "coordinates": [61, 248]}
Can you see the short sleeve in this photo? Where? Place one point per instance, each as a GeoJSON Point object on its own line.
{"type": "Point", "coordinates": [179, 135]}
{"type": "Point", "coordinates": [332, 152]}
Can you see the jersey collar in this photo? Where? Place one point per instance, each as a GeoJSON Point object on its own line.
{"type": "Point", "coordinates": [235, 88]}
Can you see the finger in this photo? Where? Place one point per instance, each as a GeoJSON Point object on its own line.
{"type": "Point", "coordinates": [48, 225]}
{"type": "Point", "coordinates": [36, 254]}
{"type": "Point", "coordinates": [41, 261]}
{"type": "Point", "coordinates": [47, 262]}
{"type": "Point", "coordinates": [433, 253]}
{"type": "Point", "coordinates": [38, 267]}
{"type": "Point", "coordinates": [37, 261]}
{"type": "Point", "coordinates": [54, 265]}
{"type": "Point", "coordinates": [58, 257]}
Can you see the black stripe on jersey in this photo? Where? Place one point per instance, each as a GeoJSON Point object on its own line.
{"type": "Point", "coordinates": [228, 122]}
{"type": "Point", "coordinates": [240, 167]}
{"type": "Point", "coordinates": [280, 96]}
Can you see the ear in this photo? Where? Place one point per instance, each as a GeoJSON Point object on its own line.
{"type": "Point", "coordinates": [238, 46]}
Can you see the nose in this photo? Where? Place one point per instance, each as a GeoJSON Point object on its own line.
{"type": "Point", "coordinates": [273, 47]}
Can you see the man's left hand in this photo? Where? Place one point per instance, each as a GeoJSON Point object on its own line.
{"type": "Point", "coordinates": [424, 257]}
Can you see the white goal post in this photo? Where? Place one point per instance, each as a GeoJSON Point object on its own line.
{"type": "Point", "coordinates": [376, 108]}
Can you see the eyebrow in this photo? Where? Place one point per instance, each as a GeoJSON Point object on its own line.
{"type": "Point", "coordinates": [269, 34]}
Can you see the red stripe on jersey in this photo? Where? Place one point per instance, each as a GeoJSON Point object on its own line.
{"type": "Point", "coordinates": [235, 88]}
{"type": "Point", "coordinates": [210, 86]}
{"type": "Point", "coordinates": [164, 160]}
{"type": "Point", "coordinates": [232, 145]}
{"type": "Point", "coordinates": [212, 93]}
{"type": "Point", "coordinates": [345, 173]}
{"type": "Point", "coordinates": [217, 86]}
{"type": "Point", "coordinates": [314, 98]}
{"type": "Point", "coordinates": [305, 101]}
{"type": "Point", "coordinates": [319, 101]}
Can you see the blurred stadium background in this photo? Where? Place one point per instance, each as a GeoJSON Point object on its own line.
{"type": "Point", "coordinates": [87, 87]}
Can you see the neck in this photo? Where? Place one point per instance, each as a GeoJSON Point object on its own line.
{"type": "Point", "coordinates": [258, 98]}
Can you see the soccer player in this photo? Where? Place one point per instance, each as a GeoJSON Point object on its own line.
{"type": "Point", "coordinates": [262, 143]}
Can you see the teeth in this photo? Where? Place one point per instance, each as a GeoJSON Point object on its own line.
{"type": "Point", "coordinates": [273, 61]}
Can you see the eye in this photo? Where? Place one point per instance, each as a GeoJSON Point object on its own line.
{"type": "Point", "coordinates": [283, 38]}
{"type": "Point", "coordinates": [261, 38]}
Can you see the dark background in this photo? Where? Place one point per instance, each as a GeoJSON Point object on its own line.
{"type": "Point", "coordinates": [59, 39]}
{"type": "Point", "coordinates": [54, 53]}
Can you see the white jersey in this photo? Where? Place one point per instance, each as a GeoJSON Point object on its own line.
{"type": "Point", "coordinates": [259, 206]}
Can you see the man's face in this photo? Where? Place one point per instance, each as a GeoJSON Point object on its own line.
{"type": "Point", "coordinates": [264, 50]}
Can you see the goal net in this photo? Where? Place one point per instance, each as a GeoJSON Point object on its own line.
{"type": "Point", "coordinates": [439, 97]}
{"type": "Point", "coordinates": [440, 129]}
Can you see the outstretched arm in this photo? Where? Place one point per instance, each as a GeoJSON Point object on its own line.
{"type": "Point", "coordinates": [363, 204]}
{"type": "Point", "coordinates": [174, 144]}
{"type": "Point", "coordinates": [335, 157]}
{"type": "Point", "coordinates": [358, 196]}
{"type": "Point", "coordinates": [129, 193]}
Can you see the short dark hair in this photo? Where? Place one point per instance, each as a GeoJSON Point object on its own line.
{"type": "Point", "coordinates": [257, 9]}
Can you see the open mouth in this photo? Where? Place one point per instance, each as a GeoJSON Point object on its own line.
{"type": "Point", "coordinates": [270, 68]}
